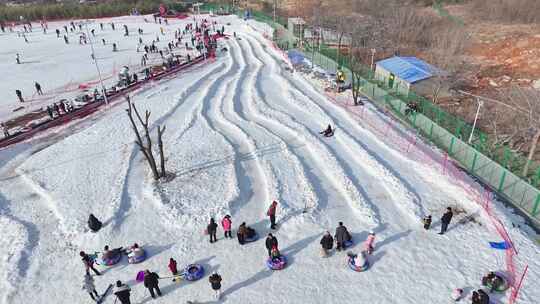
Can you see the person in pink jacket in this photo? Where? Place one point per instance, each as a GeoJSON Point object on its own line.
{"type": "Point", "coordinates": [226, 223]}
{"type": "Point", "coordinates": [368, 245]}
{"type": "Point", "coordinates": [272, 214]}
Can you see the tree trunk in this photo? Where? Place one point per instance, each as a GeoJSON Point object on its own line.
{"type": "Point", "coordinates": [339, 49]}
{"type": "Point", "coordinates": [161, 154]}
{"type": "Point", "coordinates": [531, 152]}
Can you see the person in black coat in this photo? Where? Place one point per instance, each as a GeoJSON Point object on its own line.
{"type": "Point", "coordinates": [151, 282]}
{"type": "Point", "coordinates": [327, 242]}
{"type": "Point", "coordinates": [93, 223]}
{"type": "Point", "coordinates": [215, 282]}
{"type": "Point", "coordinates": [484, 298]}
{"type": "Point", "coordinates": [271, 241]}
{"type": "Point", "coordinates": [427, 222]}
{"type": "Point", "coordinates": [445, 220]}
{"type": "Point", "coordinates": [122, 292]}
{"type": "Point", "coordinates": [342, 236]}
{"type": "Point", "coordinates": [212, 230]}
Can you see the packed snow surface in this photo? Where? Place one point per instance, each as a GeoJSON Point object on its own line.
{"type": "Point", "coordinates": [242, 130]}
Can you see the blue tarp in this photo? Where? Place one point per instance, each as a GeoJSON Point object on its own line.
{"type": "Point", "coordinates": [410, 69]}
{"type": "Point", "coordinates": [295, 56]}
{"type": "Point", "coordinates": [500, 245]}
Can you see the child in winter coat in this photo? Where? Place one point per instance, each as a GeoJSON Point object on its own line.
{"type": "Point", "coordinates": [368, 245]}
{"type": "Point", "coordinates": [215, 282]}
{"type": "Point", "coordinates": [122, 293]}
{"type": "Point", "coordinates": [327, 242]}
{"type": "Point", "coordinates": [172, 267]}
{"type": "Point", "coordinates": [272, 214]}
{"type": "Point", "coordinates": [361, 259]}
{"type": "Point", "coordinates": [89, 286]}
{"type": "Point", "coordinates": [274, 253]}
{"type": "Point", "coordinates": [226, 223]}
{"type": "Point", "coordinates": [427, 222]}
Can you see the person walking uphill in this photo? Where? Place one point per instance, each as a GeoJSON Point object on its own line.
{"type": "Point", "coordinates": [89, 286]}
{"type": "Point", "coordinates": [151, 282]}
{"type": "Point", "coordinates": [226, 223]}
{"type": "Point", "coordinates": [212, 230]}
{"type": "Point", "coordinates": [215, 282]}
{"type": "Point", "coordinates": [122, 292]}
{"type": "Point", "coordinates": [271, 241]}
{"type": "Point", "coordinates": [272, 214]}
{"type": "Point", "coordinates": [19, 95]}
{"type": "Point", "coordinates": [38, 88]}
{"type": "Point", "coordinates": [88, 263]}
{"type": "Point", "coordinates": [445, 220]}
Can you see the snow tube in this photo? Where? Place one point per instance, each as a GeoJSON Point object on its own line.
{"type": "Point", "coordinates": [277, 263]}
{"type": "Point", "coordinates": [356, 268]}
{"type": "Point", "coordinates": [503, 287]}
{"type": "Point", "coordinates": [252, 239]}
{"type": "Point", "coordinates": [347, 244]}
{"type": "Point", "coordinates": [193, 272]}
{"type": "Point", "coordinates": [109, 262]}
{"type": "Point", "coordinates": [133, 259]}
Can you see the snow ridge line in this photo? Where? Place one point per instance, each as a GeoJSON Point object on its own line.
{"type": "Point", "coordinates": [409, 200]}
{"type": "Point", "coordinates": [348, 189]}
{"type": "Point", "coordinates": [287, 152]}
{"type": "Point", "coordinates": [247, 182]}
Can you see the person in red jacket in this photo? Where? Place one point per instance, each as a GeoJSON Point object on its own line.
{"type": "Point", "coordinates": [272, 214]}
{"type": "Point", "coordinates": [226, 223]}
{"type": "Point", "coordinates": [172, 267]}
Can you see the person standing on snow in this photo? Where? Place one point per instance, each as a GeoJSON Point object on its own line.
{"type": "Point", "coordinates": [88, 263]}
{"type": "Point", "coordinates": [151, 282]}
{"type": "Point", "coordinates": [4, 130]}
{"type": "Point", "coordinates": [212, 230]}
{"type": "Point", "coordinates": [18, 58]}
{"type": "Point", "coordinates": [271, 241]}
{"type": "Point", "coordinates": [427, 222]}
{"type": "Point", "coordinates": [19, 95]}
{"type": "Point", "coordinates": [368, 245]}
{"type": "Point", "coordinates": [327, 242]}
{"type": "Point", "coordinates": [215, 282]}
{"type": "Point", "coordinates": [172, 266]}
{"type": "Point", "coordinates": [38, 88]}
{"type": "Point", "coordinates": [272, 214]}
{"type": "Point", "coordinates": [445, 220]}
{"type": "Point", "coordinates": [122, 292]}
{"type": "Point", "coordinates": [89, 286]}
{"type": "Point", "coordinates": [226, 223]}
{"type": "Point", "coordinates": [342, 236]}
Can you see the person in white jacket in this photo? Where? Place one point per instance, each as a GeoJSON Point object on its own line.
{"type": "Point", "coordinates": [89, 286]}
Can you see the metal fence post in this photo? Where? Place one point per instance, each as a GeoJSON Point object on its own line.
{"type": "Point", "coordinates": [536, 206]}
{"type": "Point", "coordinates": [451, 145]}
{"type": "Point", "coordinates": [501, 183]}
{"type": "Point", "coordinates": [474, 162]}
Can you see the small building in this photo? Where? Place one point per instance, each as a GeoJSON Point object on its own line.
{"type": "Point", "coordinates": [296, 26]}
{"type": "Point", "coordinates": [404, 74]}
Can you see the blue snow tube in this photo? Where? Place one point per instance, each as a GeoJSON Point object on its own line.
{"type": "Point", "coordinates": [356, 268]}
{"type": "Point", "coordinates": [113, 260]}
{"type": "Point", "coordinates": [193, 272]}
{"type": "Point", "coordinates": [252, 238]}
{"type": "Point", "coordinates": [137, 259]}
{"type": "Point", "coordinates": [276, 263]}
{"type": "Point", "coordinates": [347, 244]}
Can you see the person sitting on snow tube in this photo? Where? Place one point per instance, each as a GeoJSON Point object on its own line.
{"type": "Point", "coordinates": [136, 254]}
{"type": "Point", "coordinates": [276, 261]}
{"type": "Point", "coordinates": [193, 272]}
{"type": "Point", "coordinates": [358, 262]}
{"type": "Point", "coordinates": [111, 257]}
{"type": "Point", "coordinates": [328, 132]}
{"type": "Point", "coordinates": [93, 223]}
{"type": "Point", "coordinates": [494, 282]}
{"type": "Point", "coordinates": [246, 234]}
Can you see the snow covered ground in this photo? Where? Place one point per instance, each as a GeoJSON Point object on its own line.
{"type": "Point", "coordinates": [241, 132]}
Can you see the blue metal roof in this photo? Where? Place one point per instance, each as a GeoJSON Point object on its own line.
{"type": "Point", "coordinates": [410, 69]}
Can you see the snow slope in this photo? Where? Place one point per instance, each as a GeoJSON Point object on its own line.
{"type": "Point", "coordinates": [241, 131]}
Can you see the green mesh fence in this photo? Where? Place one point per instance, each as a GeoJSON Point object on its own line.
{"type": "Point", "coordinates": [496, 165]}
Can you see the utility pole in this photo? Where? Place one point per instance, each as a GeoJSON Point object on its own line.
{"type": "Point", "coordinates": [480, 103]}
{"type": "Point", "coordinates": [96, 63]}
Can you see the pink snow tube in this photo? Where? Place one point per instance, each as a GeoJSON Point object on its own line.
{"type": "Point", "coordinates": [276, 263]}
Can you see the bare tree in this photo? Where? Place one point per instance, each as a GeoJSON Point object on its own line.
{"type": "Point", "coordinates": [146, 145]}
